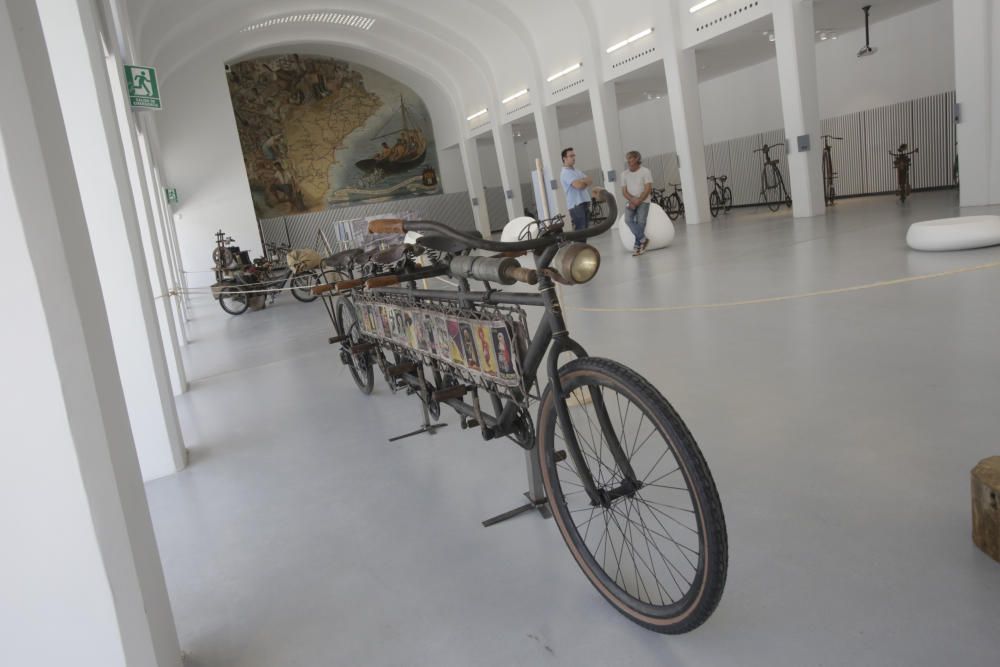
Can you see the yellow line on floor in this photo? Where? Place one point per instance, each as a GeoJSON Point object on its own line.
{"type": "Point", "coordinates": [788, 297]}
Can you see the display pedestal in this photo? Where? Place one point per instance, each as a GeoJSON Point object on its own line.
{"type": "Point", "coordinates": [986, 506]}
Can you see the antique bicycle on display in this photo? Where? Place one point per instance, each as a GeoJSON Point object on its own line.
{"type": "Point", "coordinates": [609, 457]}
{"type": "Point", "coordinates": [721, 197]}
{"type": "Point", "coordinates": [901, 161]}
{"type": "Point", "coordinates": [829, 192]}
{"type": "Point", "coordinates": [262, 279]}
{"type": "Point", "coordinates": [772, 184]}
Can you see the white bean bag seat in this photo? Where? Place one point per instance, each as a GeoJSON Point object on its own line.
{"type": "Point", "coordinates": [659, 230]}
{"type": "Point", "coordinates": [974, 231]}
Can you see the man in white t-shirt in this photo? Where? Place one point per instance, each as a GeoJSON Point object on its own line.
{"type": "Point", "coordinates": [637, 185]}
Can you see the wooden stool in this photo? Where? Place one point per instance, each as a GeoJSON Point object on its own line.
{"type": "Point", "coordinates": [986, 506]}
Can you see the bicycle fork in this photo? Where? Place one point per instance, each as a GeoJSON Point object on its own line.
{"type": "Point", "coordinates": [561, 342]}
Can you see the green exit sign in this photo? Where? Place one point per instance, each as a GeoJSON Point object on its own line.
{"type": "Point", "coordinates": [143, 91]}
{"type": "Point", "coordinates": [171, 195]}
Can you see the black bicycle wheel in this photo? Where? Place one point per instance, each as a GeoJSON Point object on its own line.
{"type": "Point", "coordinates": [827, 177]}
{"type": "Point", "coordinates": [714, 203]}
{"type": "Point", "coordinates": [673, 206]}
{"type": "Point", "coordinates": [302, 287]}
{"type": "Point", "coordinates": [655, 544]}
{"type": "Point", "coordinates": [234, 300]}
{"type": "Point", "coordinates": [727, 199]}
{"type": "Point", "coordinates": [360, 365]}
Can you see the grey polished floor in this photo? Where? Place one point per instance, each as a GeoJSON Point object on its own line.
{"type": "Point", "coordinates": [840, 427]}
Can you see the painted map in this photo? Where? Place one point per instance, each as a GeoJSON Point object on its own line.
{"type": "Point", "coordinates": [318, 133]}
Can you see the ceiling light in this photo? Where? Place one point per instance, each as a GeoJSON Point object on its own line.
{"type": "Point", "coordinates": [511, 98]}
{"type": "Point", "coordinates": [638, 35]}
{"type": "Point", "coordinates": [701, 5]}
{"type": "Point", "coordinates": [481, 112]}
{"type": "Point", "coordinates": [566, 71]}
{"type": "Point", "coordinates": [349, 20]}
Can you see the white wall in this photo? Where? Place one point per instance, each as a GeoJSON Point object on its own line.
{"type": "Point", "coordinates": [915, 59]}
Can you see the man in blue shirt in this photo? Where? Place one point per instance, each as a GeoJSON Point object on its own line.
{"type": "Point", "coordinates": [577, 186]}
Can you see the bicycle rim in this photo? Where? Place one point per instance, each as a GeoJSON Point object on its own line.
{"type": "Point", "coordinates": [360, 365]}
{"type": "Point", "coordinates": [659, 555]}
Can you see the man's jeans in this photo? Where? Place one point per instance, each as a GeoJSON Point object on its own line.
{"type": "Point", "coordinates": [578, 215]}
{"type": "Point", "coordinates": [635, 218]}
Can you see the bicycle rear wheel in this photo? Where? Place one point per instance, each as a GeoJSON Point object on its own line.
{"type": "Point", "coordinates": [727, 199]}
{"type": "Point", "coordinates": [828, 177]}
{"type": "Point", "coordinates": [302, 287]}
{"type": "Point", "coordinates": [360, 365]}
{"type": "Point", "coordinates": [655, 544]}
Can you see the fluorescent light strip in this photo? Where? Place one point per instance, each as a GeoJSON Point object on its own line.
{"type": "Point", "coordinates": [481, 112]}
{"type": "Point", "coordinates": [701, 5]}
{"type": "Point", "coordinates": [626, 42]}
{"type": "Point", "coordinates": [513, 97]}
{"type": "Point", "coordinates": [349, 20]}
{"type": "Point", "coordinates": [566, 71]}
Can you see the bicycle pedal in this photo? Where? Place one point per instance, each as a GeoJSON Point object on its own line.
{"type": "Point", "coordinates": [337, 339]}
{"type": "Point", "coordinates": [560, 455]}
{"type": "Point", "coordinates": [361, 348]}
{"type": "Point", "coordinates": [401, 369]}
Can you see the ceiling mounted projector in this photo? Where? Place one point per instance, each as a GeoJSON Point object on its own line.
{"type": "Point", "coordinates": [867, 49]}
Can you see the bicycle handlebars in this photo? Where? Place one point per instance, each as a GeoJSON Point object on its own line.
{"type": "Point", "coordinates": [396, 226]}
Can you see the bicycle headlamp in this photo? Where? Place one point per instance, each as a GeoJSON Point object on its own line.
{"type": "Point", "coordinates": [577, 263]}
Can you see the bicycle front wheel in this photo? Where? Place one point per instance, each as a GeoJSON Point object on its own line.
{"type": "Point", "coordinates": [673, 207]}
{"type": "Point", "coordinates": [727, 199]}
{"type": "Point", "coordinates": [234, 300]}
{"type": "Point", "coordinates": [714, 203]}
{"type": "Point", "coordinates": [302, 287]}
{"type": "Point", "coordinates": [654, 541]}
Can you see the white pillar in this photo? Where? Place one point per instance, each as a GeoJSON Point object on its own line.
{"type": "Point", "coordinates": [474, 180]}
{"type": "Point", "coordinates": [503, 139]}
{"type": "Point", "coordinates": [604, 108]}
{"type": "Point", "coordinates": [681, 71]}
{"type": "Point", "coordinates": [547, 128]}
{"type": "Point", "coordinates": [81, 577]}
{"type": "Point", "coordinates": [977, 87]}
{"type": "Point", "coordinates": [795, 45]}
{"type": "Point", "coordinates": [73, 37]}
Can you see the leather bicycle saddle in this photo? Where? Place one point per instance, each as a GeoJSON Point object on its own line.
{"type": "Point", "coordinates": [343, 258]}
{"type": "Point", "coordinates": [443, 244]}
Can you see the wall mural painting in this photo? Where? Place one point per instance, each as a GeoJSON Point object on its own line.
{"type": "Point", "coordinates": [318, 133]}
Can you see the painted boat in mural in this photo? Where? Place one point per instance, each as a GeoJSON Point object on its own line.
{"type": "Point", "coordinates": [408, 151]}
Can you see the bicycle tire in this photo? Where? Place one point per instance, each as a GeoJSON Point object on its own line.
{"type": "Point", "coordinates": [673, 206]}
{"type": "Point", "coordinates": [625, 587]}
{"type": "Point", "coordinates": [302, 287]}
{"type": "Point", "coordinates": [233, 300]}
{"type": "Point", "coordinates": [828, 177]}
{"type": "Point", "coordinates": [360, 365]}
{"type": "Point", "coordinates": [727, 199]}
{"type": "Point", "coordinates": [714, 203]}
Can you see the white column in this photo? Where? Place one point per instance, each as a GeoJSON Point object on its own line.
{"type": "Point", "coordinates": [604, 108]}
{"type": "Point", "coordinates": [977, 87]}
{"type": "Point", "coordinates": [503, 139]}
{"type": "Point", "coordinates": [474, 180]}
{"type": "Point", "coordinates": [73, 37]}
{"type": "Point", "coordinates": [681, 71]}
{"type": "Point", "coordinates": [80, 573]}
{"type": "Point", "coordinates": [547, 127]}
{"type": "Point", "coordinates": [795, 45]}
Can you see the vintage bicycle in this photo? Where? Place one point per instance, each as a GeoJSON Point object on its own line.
{"type": "Point", "coordinates": [263, 279]}
{"type": "Point", "coordinates": [901, 161]}
{"type": "Point", "coordinates": [829, 192]}
{"type": "Point", "coordinates": [772, 184]}
{"type": "Point", "coordinates": [610, 459]}
{"type": "Point", "coordinates": [672, 203]}
{"type": "Point", "coordinates": [721, 197]}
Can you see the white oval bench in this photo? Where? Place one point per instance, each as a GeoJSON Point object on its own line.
{"type": "Point", "coordinates": [974, 231]}
{"type": "Point", "coordinates": [659, 230]}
